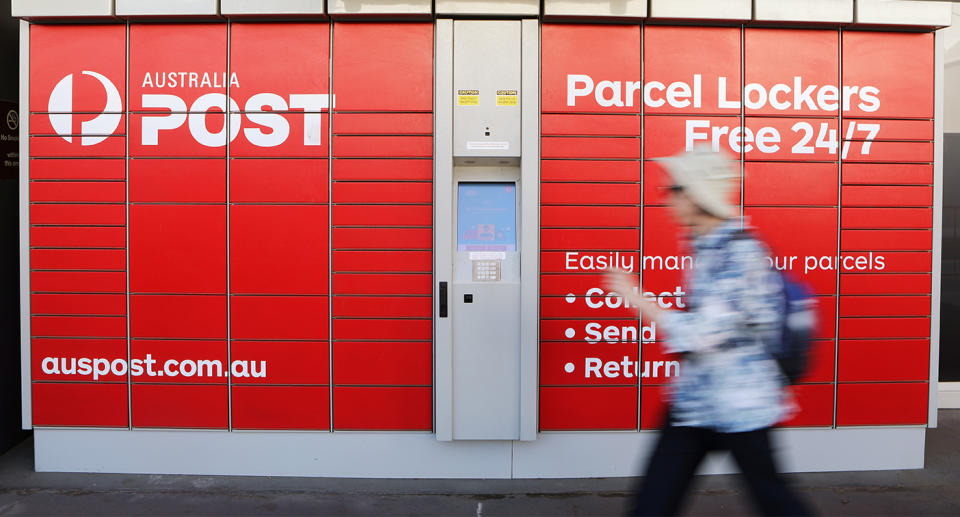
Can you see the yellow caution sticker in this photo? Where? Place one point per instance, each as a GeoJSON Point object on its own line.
{"type": "Point", "coordinates": [468, 97]}
{"type": "Point", "coordinates": [507, 98]}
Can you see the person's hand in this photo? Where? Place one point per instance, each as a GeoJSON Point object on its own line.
{"type": "Point", "coordinates": [621, 282]}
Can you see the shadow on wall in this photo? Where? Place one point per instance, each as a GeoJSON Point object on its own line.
{"type": "Point", "coordinates": [950, 260]}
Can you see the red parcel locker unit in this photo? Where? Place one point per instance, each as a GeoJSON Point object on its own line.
{"type": "Point", "coordinates": [234, 226]}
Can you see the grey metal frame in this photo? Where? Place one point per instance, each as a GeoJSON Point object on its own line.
{"type": "Point", "coordinates": [937, 250]}
{"type": "Point", "coordinates": [330, 107]}
{"type": "Point", "coordinates": [836, 301]}
{"type": "Point", "coordinates": [226, 126]}
{"type": "Point", "coordinates": [26, 393]}
{"type": "Point", "coordinates": [643, 170]}
{"type": "Point", "coordinates": [442, 226]}
{"type": "Point", "coordinates": [530, 237]}
{"type": "Point", "coordinates": [126, 216]}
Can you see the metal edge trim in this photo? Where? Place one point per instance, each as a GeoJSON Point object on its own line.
{"type": "Point", "coordinates": [442, 171]}
{"type": "Point", "coordinates": [26, 393]}
{"type": "Point", "coordinates": [938, 66]}
{"type": "Point", "coordinates": [530, 256]}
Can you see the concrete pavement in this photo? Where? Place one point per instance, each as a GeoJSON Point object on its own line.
{"type": "Point", "coordinates": [934, 490]}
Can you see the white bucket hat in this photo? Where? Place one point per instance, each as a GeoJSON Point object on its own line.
{"type": "Point", "coordinates": [706, 177]}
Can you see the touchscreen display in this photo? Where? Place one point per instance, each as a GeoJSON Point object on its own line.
{"type": "Point", "coordinates": [486, 216]}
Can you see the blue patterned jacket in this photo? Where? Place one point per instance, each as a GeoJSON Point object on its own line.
{"type": "Point", "coordinates": [728, 382]}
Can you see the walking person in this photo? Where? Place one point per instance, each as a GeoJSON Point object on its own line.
{"type": "Point", "coordinates": [730, 391]}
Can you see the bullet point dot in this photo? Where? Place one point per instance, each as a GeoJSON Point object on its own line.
{"type": "Point", "coordinates": [571, 298]}
{"type": "Point", "coordinates": [570, 333]}
{"type": "Point", "coordinates": [568, 367]}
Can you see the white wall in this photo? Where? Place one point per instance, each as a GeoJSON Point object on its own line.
{"type": "Point", "coordinates": [951, 79]}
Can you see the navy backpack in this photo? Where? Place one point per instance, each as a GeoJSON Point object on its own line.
{"type": "Point", "coordinates": [799, 323]}
{"type": "Point", "coordinates": [792, 350]}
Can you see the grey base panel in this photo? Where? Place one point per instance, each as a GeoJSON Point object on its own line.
{"type": "Point", "coordinates": [421, 455]}
{"type": "Point", "coordinates": [343, 454]}
{"type": "Point", "coordinates": [567, 455]}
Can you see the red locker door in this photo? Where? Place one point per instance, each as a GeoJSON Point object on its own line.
{"type": "Point", "coordinates": [381, 228]}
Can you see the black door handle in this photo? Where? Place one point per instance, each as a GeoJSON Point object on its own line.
{"type": "Point", "coordinates": [443, 299]}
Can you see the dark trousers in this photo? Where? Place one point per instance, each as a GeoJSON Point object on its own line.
{"type": "Point", "coordinates": [681, 449]}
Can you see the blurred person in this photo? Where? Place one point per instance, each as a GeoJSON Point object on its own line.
{"type": "Point", "coordinates": [730, 391]}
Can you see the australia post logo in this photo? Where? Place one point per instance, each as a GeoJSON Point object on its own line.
{"type": "Point", "coordinates": [94, 130]}
{"type": "Point", "coordinates": [166, 108]}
